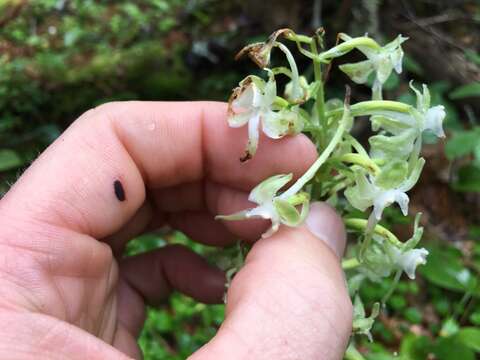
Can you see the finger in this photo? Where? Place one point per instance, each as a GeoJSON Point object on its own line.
{"type": "Point", "coordinates": [134, 227]}
{"type": "Point", "coordinates": [125, 342]}
{"type": "Point", "coordinates": [130, 308]}
{"type": "Point", "coordinates": [201, 226]}
{"type": "Point", "coordinates": [154, 275]}
{"type": "Point", "coordinates": [35, 336]}
{"type": "Point", "coordinates": [289, 300]}
{"type": "Point", "coordinates": [92, 179]}
{"type": "Point", "coordinates": [190, 204]}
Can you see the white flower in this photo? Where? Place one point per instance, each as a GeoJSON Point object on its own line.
{"type": "Point", "coordinates": [383, 257]}
{"type": "Point", "coordinates": [381, 61]}
{"type": "Point", "coordinates": [252, 102]}
{"type": "Point", "coordinates": [409, 260]}
{"type": "Point", "coordinates": [368, 192]}
{"type": "Point", "coordinates": [277, 209]}
{"type": "Point", "coordinates": [432, 116]}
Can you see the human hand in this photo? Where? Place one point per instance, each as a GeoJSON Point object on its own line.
{"type": "Point", "coordinates": [124, 168]}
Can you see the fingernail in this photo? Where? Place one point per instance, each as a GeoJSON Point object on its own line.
{"type": "Point", "coordinates": [327, 225]}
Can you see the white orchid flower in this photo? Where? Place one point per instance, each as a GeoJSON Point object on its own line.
{"type": "Point", "coordinates": [409, 260]}
{"type": "Point", "coordinates": [370, 192]}
{"type": "Point", "coordinates": [406, 129]}
{"type": "Point", "coordinates": [422, 118]}
{"type": "Point", "coordinates": [276, 208]}
{"type": "Point", "coordinates": [382, 61]}
{"type": "Point", "coordinates": [432, 116]}
{"type": "Point", "coordinates": [383, 257]}
{"type": "Point", "coordinates": [252, 102]}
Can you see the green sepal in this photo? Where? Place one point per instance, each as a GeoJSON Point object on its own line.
{"type": "Point", "coordinates": [267, 189]}
{"type": "Point", "coordinates": [288, 213]}
{"type": "Point", "coordinates": [392, 174]}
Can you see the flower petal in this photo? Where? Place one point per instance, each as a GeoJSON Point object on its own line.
{"type": "Point", "coordinates": [409, 260]}
{"type": "Point", "coordinates": [359, 71]}
{"type": "Point", "coordinates": [267, 189]}
{"type": "Point", "coordinates": [245, 100]}
{"type": "Point", "coordinates": [434, 120]}
{"type": "Point", "coordinates": [269, 95]}
{"type": "Point", "coordinates": [384, 67]}
{"type": "Point", "coordinates": [362, 195]}
{"type": "Point", "coordinates": [240, 119]}
{"type": "Point", "coordinates": [240, 215]}
{"type": "Point", "coordinates": [387, 198]}
{"type": "Point", "coordinates": [253, 135]}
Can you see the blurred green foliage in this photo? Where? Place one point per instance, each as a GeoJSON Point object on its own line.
{"type": "Point", "coordinates": [59, 58]}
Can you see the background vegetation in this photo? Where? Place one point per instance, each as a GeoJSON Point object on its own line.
{"type": "Point", "coordinates": [59, 58]}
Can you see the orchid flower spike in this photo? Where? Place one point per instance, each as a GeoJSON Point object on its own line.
{"type": "Point", "coordinates": [382, 61]}
{"type": "Point", "coordinates": [276, 208]}
{"type": "Point", "coordinates": [253, 102]}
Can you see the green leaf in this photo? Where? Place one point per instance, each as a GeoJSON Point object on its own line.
{"type": "Point", "coordinates": [9, 159]}
{"type": "Point", "coordinates": [462, 143]}
{"type": "Point", "coordinates": [411, 65]}
{"type": "Point", "coordinates": [450, 348]}
{"type": "Point", "coordinates": [445, 268]}
{"type": "Point", "coordinates": [472, 56]}
{"type": "Point", "coordinates": [468, 179]}
{"type": "Point", "coordinates": [414, 348]}
{"type": "Point", "coordinates": [475, 318]}
{"type": "Point", "coordinates": [413, 315]}
{"type": "Point", "coordinates": [470, 337]}
{"type": "Point", "coordinates": [466, 91]}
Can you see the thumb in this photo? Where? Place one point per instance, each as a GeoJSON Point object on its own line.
{"type": "Point", "coordinates": [289, 301]}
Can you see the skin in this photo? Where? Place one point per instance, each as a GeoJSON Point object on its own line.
{"type": "Point", "coordinates": [65, 290]}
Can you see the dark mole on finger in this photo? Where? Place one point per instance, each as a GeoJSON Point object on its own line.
{"type": "Point", "coordinates": [119, 191]}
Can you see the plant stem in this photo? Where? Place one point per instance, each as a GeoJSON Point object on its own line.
{"type": "Point", "coordinates": [392, 288]}
{"type": "Point", "coordinates": [361, 225]}
{"type": "Point", "coordinates": [298, 38]}
{"type": "Point", "coordinates": [353, 354]}
{"type": "Point", "coordinates": [310, 173]}
{"type": "Point", "coordinates": [372, 106]}
{"type": "Point", "coordinates": [297, 92]}
{"type": "Point", "coordinates": [361, 160]}
{"type": "Point", "coordinates": [320, 99]}
{"type": "Point", "coordinates": [356, 145]}
{"type": "Point", "coordinates": [345, 47]}
{"type": "Point", "coordinates": [352, 263]}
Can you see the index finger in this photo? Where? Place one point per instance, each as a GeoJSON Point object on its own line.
{"type": "Point", "coordinates": [94, 177]}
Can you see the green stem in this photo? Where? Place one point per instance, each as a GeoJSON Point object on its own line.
{"type": "Point", "coordinates": [352, 263]}
{"type": "Point", "coordinates": [347, 46]}
{"type": "Point", "coordinates": [298, 38]}
{"type": "Point", "coordinates": [361, 160]}
{"type": "Point", "coordinates": [310, 173]}
{"type": "Point", "coordinates": [281, 102]}
{"type": "Point", "coordinates": [361, 225]}
{"type": "Point", "coordinates": [356, 145]}
{"type": "Point", "coordinates": [392, 288]}
{"type": "Point", "coordinates": [372, 106]}
{"type": "Point", "coordinates": [353, 354]}
{"type": "Point", "coordinates": [297, 92]}
{"type": "Point", "coordinates": [320, 99]}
